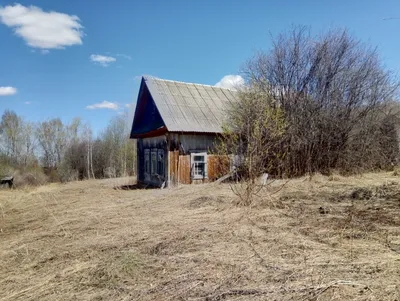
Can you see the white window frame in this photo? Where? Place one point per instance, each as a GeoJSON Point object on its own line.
{"type": "Point", "coordinates": [194, 164]}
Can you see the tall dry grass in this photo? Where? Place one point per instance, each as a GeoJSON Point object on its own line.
{"type": "Point", "coordinates": [314, 239]}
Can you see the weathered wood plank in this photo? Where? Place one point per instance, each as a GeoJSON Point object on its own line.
{"type": "Point", "coordinates": [184, 169]}
{"type": "Point", "coordinates": [217, 166]}
{"type": "Point", "coordinates": [173, 168]}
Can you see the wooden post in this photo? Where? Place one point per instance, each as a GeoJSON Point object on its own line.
{"type": "Point", "coordinates": [169, 159]}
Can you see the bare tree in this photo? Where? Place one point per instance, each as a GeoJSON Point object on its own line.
{"type": "Point", "coordinates": [11, 135]}
{"type": "Point", "coordinates": [325, 85]}
{"type": "Point", "coordinates": [88, 140]}
{"type": "Point", "coordinates": [119, 148]}
{"type": "Point", "coordinates": [28, 143]}
{"type": "Point", "coordinates": [52, 139]}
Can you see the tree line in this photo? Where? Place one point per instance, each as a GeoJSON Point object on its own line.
{"type": "Point", "coordinates": [54, 151]}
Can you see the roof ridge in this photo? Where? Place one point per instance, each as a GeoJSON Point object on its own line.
{"type": "Point", "coordinates": [181, 82]}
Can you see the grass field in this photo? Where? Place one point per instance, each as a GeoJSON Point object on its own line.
{"type": "Point", "coordinates": [312, 239]}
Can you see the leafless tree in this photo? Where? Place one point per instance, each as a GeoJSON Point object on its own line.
{"type": "Point", "coordinates": [11, 128]}
{"type": "Point", "coordinates": [28, 144]}
{"type": "Point", "coordinates": [52, 139]}
{"type": "Point", "coordinates": [326, 86]}
{"type": "Point", "coordinates": [88, 140]}
{"type": "Point", "coordinates": [119, 148]}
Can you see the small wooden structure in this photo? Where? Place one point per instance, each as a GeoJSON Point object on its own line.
{"type": "Point", "coordinates": [7, 180]}
{"type": "Point", "coordinates": [177, 126]}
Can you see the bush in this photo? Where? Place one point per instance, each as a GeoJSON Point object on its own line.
{"type": "Point", "coordinates": [67, 174]}
{"type": "Point", "coordinates": [32, 177]}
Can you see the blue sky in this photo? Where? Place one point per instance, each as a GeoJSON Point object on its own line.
{"type": "Point", "coordinates": [84, 58]}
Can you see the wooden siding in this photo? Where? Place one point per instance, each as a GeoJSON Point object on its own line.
{"type": "Point", "coordinates": [217, 166]}
{"type": "Point", "coordinates": [173, 167]}
{"type": "Point", "coordinates": [187, 143]}
{"type": "Point", "coordinates": [184, 169]}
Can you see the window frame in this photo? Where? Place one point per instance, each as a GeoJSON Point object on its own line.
{"type": "Point", "coordinates": [193, 164]}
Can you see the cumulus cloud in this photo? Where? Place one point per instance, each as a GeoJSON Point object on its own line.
{"type": "Point", "coordinates": [7, 91]}
{"type": "Point", "coordinates": [104, 105]}
{"type": "Point", "coordinates": [102, 59]}
{"type": "Point", "coordinates": [40, 29]}
{"type": "Point", "coordinates": [231, 81]}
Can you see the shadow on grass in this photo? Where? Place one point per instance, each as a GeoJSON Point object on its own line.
{"type": "Point", "coordinates": [135, 187]}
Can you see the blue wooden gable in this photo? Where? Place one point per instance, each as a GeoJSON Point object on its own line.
{"type": "Point", "coordinates": [147, 119]}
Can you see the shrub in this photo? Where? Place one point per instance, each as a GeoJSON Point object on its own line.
{"type": "Point", "coordinates": [31, 177]}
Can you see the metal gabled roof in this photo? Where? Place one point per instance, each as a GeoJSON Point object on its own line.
{"type": "Point", "coordinates": [187, 107]}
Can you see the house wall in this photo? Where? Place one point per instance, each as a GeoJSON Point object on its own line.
{"type": "Point", "coordinates": [187, 143]}
{"type": "Point", "coordinates": [177, 150]}
{"type": "Point", "coordinates": [181, 146]}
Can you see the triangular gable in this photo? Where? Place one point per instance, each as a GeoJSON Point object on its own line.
{"type": "Point", "coordinates": [147, 120]}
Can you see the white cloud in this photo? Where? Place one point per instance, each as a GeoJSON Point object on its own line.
{"type": "Point", "coordinates": [231, 82]}
{"type": "Point", "coordinates": [102, 59]}
{"type": "Point", "coordinates": [130, 106]}
{"type": "Point", "coordinates": [27, 102]}
{"type": "Point", "coordinates": [104, 105]}
{"type": "Point", "coordinates": [128, 57]}
{"type": "Point", "coordinates": [6, 91]}
{"type": "Point", "coordinates": [40, 29]}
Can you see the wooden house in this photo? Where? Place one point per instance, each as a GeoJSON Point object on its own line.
{"type": "Point", "coordinates": [177, 125]}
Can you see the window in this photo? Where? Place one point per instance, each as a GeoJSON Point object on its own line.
{"type": "Point", "coordinates": [161, 162]}
{"type": "Point", "coordinates": [199, 165]}
{"type": "Point", "coordinates": [153, 161]}
{"type": "Point", "coordinates": [147, 161]}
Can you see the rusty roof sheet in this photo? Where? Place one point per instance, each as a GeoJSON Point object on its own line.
{"type": "Point", "coordinates": [187, 107]}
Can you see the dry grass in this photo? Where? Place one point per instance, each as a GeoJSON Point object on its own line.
{"type": "Point", "coordinates": [315, 239]}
